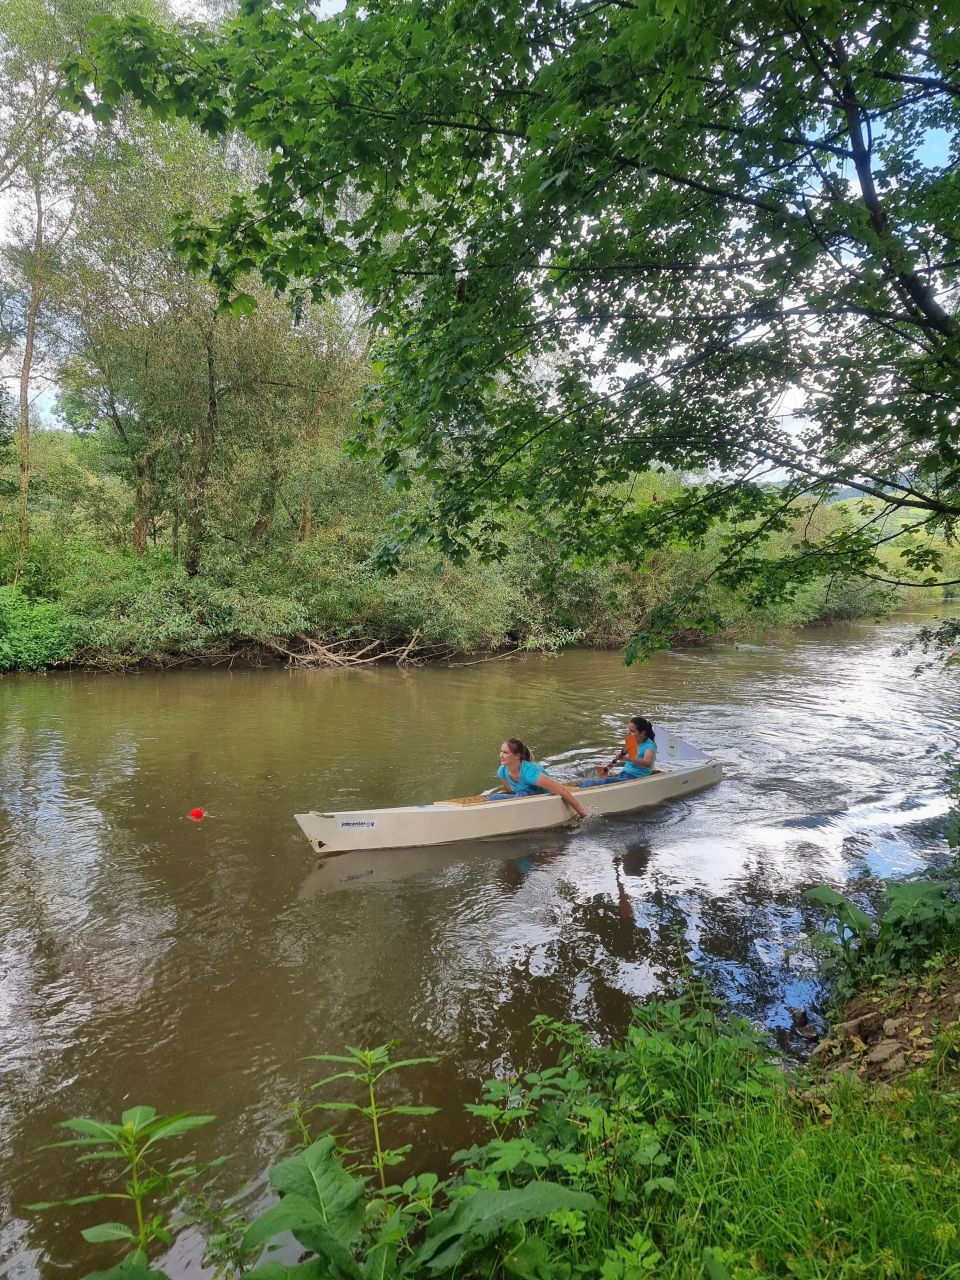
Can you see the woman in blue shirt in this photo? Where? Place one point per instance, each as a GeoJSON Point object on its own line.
{"type": "Point", "coordinates": [639, 750]}
{"type": "Point", "coordinates": [521, 777]}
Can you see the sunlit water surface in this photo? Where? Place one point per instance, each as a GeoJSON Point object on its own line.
{"type": "Point", "coordinates": [148, 958]}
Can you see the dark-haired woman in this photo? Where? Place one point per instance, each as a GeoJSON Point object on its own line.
{"type": "Point", "coordinates": [521, 777]}
{"type": "Point", "coordinates": [639, 750]}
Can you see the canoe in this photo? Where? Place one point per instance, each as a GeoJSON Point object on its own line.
{"type": "Point", "coordinates": [681, 770]}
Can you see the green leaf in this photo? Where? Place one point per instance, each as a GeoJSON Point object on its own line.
{"type": "Point", "coordinates": [105, 1232]}
{"type": "Point", "coordinates": [304, 1220]}
{"type": "Point", "coordinates": [474, 1218]}
{"type": "Point", "coordinates": [95, 1129]}
{"type": "Point", "coordinates": [176, 1126]}
{"type": "Point", "coordinates": [340, 1075]}
{"type": "Point", "coordinates": [95, 1198]}
{"type": "Point", "coordinates": [407, 1062]}
{"type": "Point", "coordinates": [852, 914]}
{"type": "Point", "coordinates": [321, 1203]}
{"type": "Point", "coordinates": [243, 304]}
{"type": "Point", "coordinates": [714, 1269]}
{"type": "Point", "coordinates": [381, 1262]}
{"type": "Point", "coordinates": [138, 1118]}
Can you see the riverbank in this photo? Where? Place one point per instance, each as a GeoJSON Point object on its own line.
{"type": "Point", "coordinates": [322, 601]}
{"type": "Point", "coordinates": [678, 1151]}
{"type": "Point", "coordinates": [894, 1028]}
{"type": "Point", "coordinates": [46, 634]}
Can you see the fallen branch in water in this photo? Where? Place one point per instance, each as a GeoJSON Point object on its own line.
{"type": "Point", "coordinates": [494, 657]}
{"type": "Point", "coordinates": [300, 650]}
{"type": "Point", "coordinates": [312, 652]}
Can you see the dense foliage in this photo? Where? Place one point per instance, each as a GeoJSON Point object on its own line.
{"type": "Point", "coordinates": [172, 478]}
{"type": "Point", "coordinates": [681, 1151]}
{"type": "Point", "coordinates": [105, 600]}
{"type": "Point", "coordinates": [602, 239]}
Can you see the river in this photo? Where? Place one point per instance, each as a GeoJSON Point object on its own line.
{"type": "Point", "coordinates": [145, 957]}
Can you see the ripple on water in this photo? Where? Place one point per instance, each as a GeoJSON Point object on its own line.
{"type": "Point", "coordinates": [147, 958]}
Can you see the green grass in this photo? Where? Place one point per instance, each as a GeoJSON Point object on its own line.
{"type": "Point", "coordinates": [849, 1186]}
{"type": "Point", "coordinates": [681, 1151]}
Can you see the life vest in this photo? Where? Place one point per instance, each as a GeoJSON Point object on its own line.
{"type": "Point", "coordinates": [635, 750]}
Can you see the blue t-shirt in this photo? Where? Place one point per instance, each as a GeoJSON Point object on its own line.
{"type": "Point", "coordinates": [631, 770]}
{"type": "Point", "coordinates": [529, 773]}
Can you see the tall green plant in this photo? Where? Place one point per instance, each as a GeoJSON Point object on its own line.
{"type": "Point", "coordinates": [367, 1068]}
{"type": "Point", "coordinates": [149, 1183]}
{"type": "Point", "coordinates": [918, 918]}
{"type": "Point", "coordinates": [847, 929]}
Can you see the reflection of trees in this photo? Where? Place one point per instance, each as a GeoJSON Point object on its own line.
{"type": "Point", "coordinates": [81, 935]}
{"type": "Point", "coordinates": [740, 940]}
{"type": "Point", "coordinates": [606, 951]}
{"type": "Point", "coordinates": [594, 966]}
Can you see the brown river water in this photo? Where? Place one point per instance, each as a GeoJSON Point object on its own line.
{"type": "Point", "coordinates": [195, 966]}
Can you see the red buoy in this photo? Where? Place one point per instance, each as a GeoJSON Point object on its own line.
{"type": "Point", "coordinates": [197, 814]}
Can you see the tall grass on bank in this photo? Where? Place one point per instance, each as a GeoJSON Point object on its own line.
{"type": "Point", "coordinates": [844, 1184]}
{"type": "Point", "coordinates": [679, 1152]}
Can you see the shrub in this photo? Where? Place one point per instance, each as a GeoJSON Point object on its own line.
{"type": "Point", "coordinates": [33, 633]}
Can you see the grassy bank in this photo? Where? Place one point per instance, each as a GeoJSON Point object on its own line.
{"type": "Point", "coordinates": [680, 1151]}
{"type": "Point", "coordinates": [685, 1149]}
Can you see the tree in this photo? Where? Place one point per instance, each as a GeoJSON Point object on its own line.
{"type": "Point", "coordinates": [202, 411]}
{"type": "Point", "coordinates": [44, 152]}
{"type": "Point", "coordinates": [607, 238]}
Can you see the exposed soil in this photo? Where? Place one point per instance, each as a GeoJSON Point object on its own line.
{"type": "Point", "coordinates": [894, 1027]}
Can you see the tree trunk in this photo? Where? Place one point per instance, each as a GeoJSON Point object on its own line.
{"type": "Point", "coordinates": [306, 520]}
{"type": "Point", "coordinates": [23, 430]}
{"type": "Point", "coordinates": [204, 437]}
{"type": "Point", "coordinates": [142, 509]}
{"type": "Point", "coordinates": [268, 503]}
{"type": "Point", "coordinates": [142, 487]}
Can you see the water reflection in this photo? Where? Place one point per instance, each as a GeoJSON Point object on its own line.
{"type": "Point", "coordinates": [147, 958]}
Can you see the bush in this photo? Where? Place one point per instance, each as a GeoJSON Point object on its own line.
{"type": "Point", "coordinates": [131, 607]}
{"type": "Point", "coordinates": [33, 633]}
{"type": "Point", "coordinates": [919, 917]}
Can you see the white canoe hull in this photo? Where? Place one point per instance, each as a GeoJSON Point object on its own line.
{"type": "Point", "coordinates": [684, 770]}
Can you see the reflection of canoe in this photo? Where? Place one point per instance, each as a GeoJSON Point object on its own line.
{"type": "Point", "coordinates": [681, 769]}
{"type": "Point", "coordinates": [358, 869]}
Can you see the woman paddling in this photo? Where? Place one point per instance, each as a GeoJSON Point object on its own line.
{"type": "Point", "coordinates": [638, 755]}
{"type": "Point", "coordinates": [521, 777]}
{"type": "Point", "coordinates": [639, 751]}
